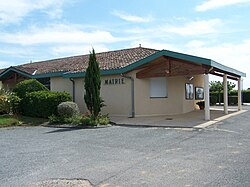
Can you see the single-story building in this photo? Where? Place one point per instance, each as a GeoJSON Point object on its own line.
{"type": "Point", "coordinates": [135, 82]}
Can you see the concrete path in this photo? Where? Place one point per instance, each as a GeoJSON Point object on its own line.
{"type": "Point", "coordinates": [188, 120]}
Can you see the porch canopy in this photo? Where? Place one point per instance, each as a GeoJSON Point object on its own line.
{"type": "Point", "coordinates": [169, 64]}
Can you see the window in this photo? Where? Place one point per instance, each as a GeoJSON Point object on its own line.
{"type": "Point", "coordinates": [45, 82]}
{"type": "Point", "coordinates": [158, 87]}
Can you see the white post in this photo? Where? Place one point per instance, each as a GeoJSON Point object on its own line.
{"type": "Point", "coordinates": [206, 92]}
{"type": "Point", "coordinates": [225, 94]}
{"type": "Point", "coordinates": [239, 94]}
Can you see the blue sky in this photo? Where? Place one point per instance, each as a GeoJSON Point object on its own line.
{"type": "Point", "coordinates": [45, 29]}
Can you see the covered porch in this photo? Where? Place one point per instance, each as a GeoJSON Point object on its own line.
{"type": "Point", "coordinates": [171, 64]}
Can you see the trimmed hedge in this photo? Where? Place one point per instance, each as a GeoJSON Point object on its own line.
{"type": "Point", "coordinates": [232, 97]}
{"type": "Point", "coordinates": [28, 86]}
{"type": "Point", "coordinates": [43, 103]}
{"type": "Point", "coordinates": [246, 96]}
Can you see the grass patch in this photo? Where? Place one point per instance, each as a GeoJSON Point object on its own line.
{"type": "Point", "coordinates": [6, 121]}
{"type": "Point", "coordinates": [9, 120]}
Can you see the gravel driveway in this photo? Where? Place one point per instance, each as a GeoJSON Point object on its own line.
{"type": "Point", "coordinates": [126, 156]}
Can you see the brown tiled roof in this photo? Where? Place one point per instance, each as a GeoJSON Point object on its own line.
{"type": "Point", "coordinates": [2, 70]}
{"type": "Point", "coordinates": [107, 61]}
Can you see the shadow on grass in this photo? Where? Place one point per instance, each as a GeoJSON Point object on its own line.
{"type": "Point", "coordinates": [30, 121]}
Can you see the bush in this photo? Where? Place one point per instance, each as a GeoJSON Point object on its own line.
{"type": "Point", "coordinates": [4, 104]}
{"type": "Point", "coordinates": [68, 109]}
{"type": "Point", "coordinates": [213, 100]}
{"type": "Point", "coordinates": [246, 96]}
{"type": "Point", "coordinates": [232, 100]}
{"type": "Point", "coordinates": [88, 121]}
{"type": "Point", "coordinates": [103, 120]}
{"type": "Point", "coordinates": [28, 86]}
{"type": "Point", "coordinates": [65, 120]}
{"type": "Point", "coordinates": [14, 101]}
{"type": "Point", "coordinates": [43, 103]}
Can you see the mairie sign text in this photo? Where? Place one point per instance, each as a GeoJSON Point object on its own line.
{"type": "Point", "coordinates": [114, 81]}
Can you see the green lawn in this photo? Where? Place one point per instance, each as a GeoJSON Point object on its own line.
{"type": "Point", "coordinates": [8, 120]}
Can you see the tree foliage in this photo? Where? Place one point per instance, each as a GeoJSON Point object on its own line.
{"type": "Point", "coordinates": [217, 86]}
{"type": "Point", "coordinates": [92, 86]}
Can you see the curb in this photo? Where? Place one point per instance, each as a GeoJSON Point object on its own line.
{"type": "Point", "coordinates": [212, 122]}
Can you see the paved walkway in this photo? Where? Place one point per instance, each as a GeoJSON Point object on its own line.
{"type": "Point", "coordinates": [188, 120]}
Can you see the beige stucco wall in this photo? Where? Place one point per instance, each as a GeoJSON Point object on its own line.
{"type": "Point", "coordinates": [61, 84]}
{"type": "Point", "coordinates": [117, 97]}
{"type": "Point", "coordinates": [176, 103]}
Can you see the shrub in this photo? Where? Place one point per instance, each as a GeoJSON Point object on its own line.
{"type": "Point", "coordinates": [103, 120]}
{"type": "Point", "coordinates": [43, 103]}
{"type": "Point", "coordinates": [14, 101]}
{"type": "Point", "coordinates": [65, 120]}
{"type": "Point", "coordinates": [232, 100]}
{"type": "Point", "coordinates": [246, 96]}
{"type": "Point", "coordinates": [88, 121]}
{"type": "Point", "coordinates": [68, 109]}
{"type": "Point", "coordinates": [4, 104]}
{"type": "Point", "coordinates": [213, 100]}
{"type": "Point", "coordinates": [28, 86]}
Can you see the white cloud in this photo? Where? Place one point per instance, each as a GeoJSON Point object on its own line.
{"type": "Point", "coordinates": [214, 4]}
{"type": "Point", "coordinates": [132, 18]}
{"type": "Point", "coordinates": [5, 64]}
{"type": "Point", "coordinates": [13, 11]}
{"type": "Point", "coordinates": [196, 27]}
{"type": "Point", "coordinates": [191, 28]}
{"type": "Point", "coordinates": [16, 51]}
{"type": "Point", "coordinates": [236, 56]}
{"type": "Point", "coordinates": [58, 34]}
{"type": "Point", "coordinates": [77, 49]}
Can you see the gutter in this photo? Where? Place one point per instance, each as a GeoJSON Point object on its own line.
{"type": "Point", "coordinates": [74, 88]}
{"type": "Point", "coordinates": [132, 94]}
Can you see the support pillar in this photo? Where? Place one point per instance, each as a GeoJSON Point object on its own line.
{"type": "Point", "coordinates": [239, 94]}
{"type": "Point", "coordinates": [225, 94]}
{"type": "Point", "coordinates": [206, 92]}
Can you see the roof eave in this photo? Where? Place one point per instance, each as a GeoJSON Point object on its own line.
{"type": "Point", "coordinates": [5, 73]}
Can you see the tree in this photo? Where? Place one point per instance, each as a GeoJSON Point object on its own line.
{"type": "Point", "coordinates": [92, 86]}
{"type": "Point", "coordinates": [217, 86]}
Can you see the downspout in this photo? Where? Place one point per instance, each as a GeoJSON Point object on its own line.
{"type": "Point", "coordinates": [132, 94]}
{"type": "Point", "coordinates": [74, 89]}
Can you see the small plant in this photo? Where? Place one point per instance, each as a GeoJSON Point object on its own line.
{"type": "Point", "coordinates": [201, 104]}
{"type": "Point", "coordinates": [68, 109]}
{"type": "Point", "coordinates": [4, 104]}
{"type": "Point", "coordinates": [14, 101]}
{"type": "Point", "coordinates": [88, 121]}
{"type": "Point", "coordinates": [102, 120]}
{"type": "Point", "coordinates": [65, 120]}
